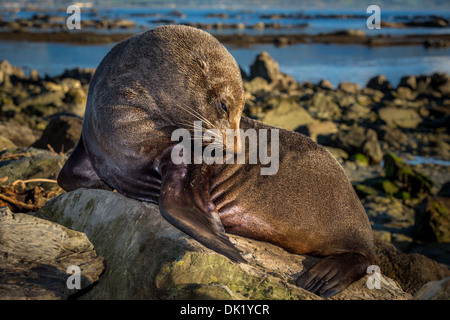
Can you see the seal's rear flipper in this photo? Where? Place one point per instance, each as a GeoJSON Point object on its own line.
{"type": "Point", "coordinates": [333, 274]}
{"type": "Point", "coordinates": [185, 202]}
{"type": "Point", "coordinates": [78, 172]}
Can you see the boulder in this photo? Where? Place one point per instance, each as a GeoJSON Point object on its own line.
{"type": "Point", "coordinates": [62, 133]}
{"type": "Point", "coordinates": [356, 112]}
{"type": "Point", "coordinates": [257, 85]}
{"type": "Point", "coordinates": [33, 164]}
{"type": "Point", "coordinates": [265, 67]}
{"type": "Point", "coordinates": [441, 82]}
{"type": "Point", "coordinates": [360, 159]}
{"type": "Point", "coordinates": [42, 104]}
{"type": "Point", "coordinates": [19, 135]}
{"type": "Point", "coordinates": [339, 154]}
{"type": "Point", "coordinates": [7, 71]}
{"type": "Point", "coordinates": [424, 85]}
{"type": "Point", "coordinates": [412, 271]}
{"type": "Point", "coordinates": [358, 140]}
{"type": "Point", "coordinates": [379, 83]}
{"type": "Point", "coordinates": [434, 290]}
{"type": "Point", "coordinates": [286, 113]}
{"type": "Point", "coordinates": [404, 175]}
{"type": "Point", "coordinates": [432, 220]}
{"type": "Point", "coordinates": [68, 83]}
{"type": "Point", "coordinates": [35, 255]}
{"type": "Point", "coordinates": [84, 75]}
{"type": "Point", "coordinates": [371, 147]}
{"type": "Point", "coordinates": [34, 75]}
{"type": "Point", "coordinates": [317, 128]}
{"type": "Point", "coordinates": [75, 101]}
{"type": "Point", "coordinates": [147, 258]}
{"type": "Point", "coordinates": [5, 143]}
{"type": "Point", "coordinates": [349, 87]}
{"type": "Point", "coordinates": [325, 84]}
{"type": "Point", "coordinates": [394, 136]}
{"type": "Point", "coordinates": [323, 106]}
{"type": "Point", "coordinates": [409, 82]}
{"type": "Point", "coordinates": [404, 93]}
{"type": "Point", "coordinates": [400, 117]}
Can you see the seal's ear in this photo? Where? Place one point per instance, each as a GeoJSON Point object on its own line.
{"type": "Point", "coordinates": [203, 65]}
{"type": "Point", "coordinates": [185, 202]}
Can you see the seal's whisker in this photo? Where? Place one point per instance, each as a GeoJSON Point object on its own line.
{"type": "Point", "coordinates": [191, 125]}
{"type": "Point", "coordinates": [207, 121]}
{"type": "Point", "coordinates": [204, 130]}
{"type": "Point", "coordinates": [196, 115]}
{"type": "Point", "coordinates": [202, 117]}
{"type": "Point", "coordinates": [190, 112]}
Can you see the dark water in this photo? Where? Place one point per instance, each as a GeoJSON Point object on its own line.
{"type": "Point", "coordinates": [305, 62]}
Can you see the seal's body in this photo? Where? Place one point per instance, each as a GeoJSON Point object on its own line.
{"type": "Point", "coordinates": [308, 207]}
{"type": "Point", "coordinates": [166, 78]}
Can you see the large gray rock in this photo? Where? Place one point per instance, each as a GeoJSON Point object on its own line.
{"type": "Point", "coordinates": [323, 106]}
{"type": "Point", "coordinates": [379, 83]}
{"type": "Point", "coordinates": [317, 128]}
{"type": "Point", "coordinates": [19, 135]}
{"type": "Point", "coordinates": [62, 133]}
{"type": "Point", "coordinates": [35, 255]}
{"type": "Point", "coordinates": [147, 258]}
{"type": "Point", "coordinates": [265, 67]}
{"type": "Point", "coordinates": [358, 139]}
{"type": "Point", "coordinates": [412, 270]}
{"type": "Point", "coordinates": [432, 219]}
{"type": "Point", "coordinates": [434, 290]}
{"type": "Point", "coordinates": [400, 117]}
{"type": "Point", "coordinates": [349, 87]}
{"type": "Point", "coordinates": [286, 114]}
{"type": "Point", "coordinates": [7, 71]}
{"type": "Point", "coordinates": [408, 81]}
{"type": "Point", "coordinates": [33, 164]}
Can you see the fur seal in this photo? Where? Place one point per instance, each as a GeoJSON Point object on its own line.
{"type": "Point", "coordinates": [165, 78]}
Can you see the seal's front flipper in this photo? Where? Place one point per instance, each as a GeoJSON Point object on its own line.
{"type": "Point", "coordinates": [333, 274]}
{"type": "Point", "coordinates": [78, 171]}
{"type": "Point", "coordinates": [185, 202]}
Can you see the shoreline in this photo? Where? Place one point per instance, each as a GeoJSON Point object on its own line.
{"type": "Point", "coordinates": [340, 37]}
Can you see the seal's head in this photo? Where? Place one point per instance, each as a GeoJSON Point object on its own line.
{"type": "Point", "coordinates": [213, 90]}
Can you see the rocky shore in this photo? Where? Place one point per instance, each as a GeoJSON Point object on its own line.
{"type": "Point", "coordinates": [377, 132]}
{"type": "Point", "coordinates": [358, 37]}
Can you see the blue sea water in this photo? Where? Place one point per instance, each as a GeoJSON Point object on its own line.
{"type": "Point", "coordinates": [305, 62]}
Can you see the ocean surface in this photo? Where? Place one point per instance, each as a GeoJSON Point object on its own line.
{"type": "Point", "coordinates": [305, 62]}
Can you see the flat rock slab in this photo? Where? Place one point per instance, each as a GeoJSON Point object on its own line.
{"type": "Point", "coordinates": [147, 258]}
{"type": "Point", "coordinates": [35, 255]}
